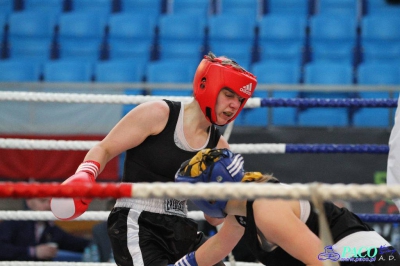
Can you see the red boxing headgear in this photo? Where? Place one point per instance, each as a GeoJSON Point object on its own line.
{"type": "Point", "coordinates": [214, 74]}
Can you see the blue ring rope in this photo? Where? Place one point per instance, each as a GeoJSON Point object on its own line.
{"type": "Point", "coordinates": [305, 102]}
{"type": "Point", "coordinates": [337, 148]}
{"type": "Point", "coordinates": [379, 218]}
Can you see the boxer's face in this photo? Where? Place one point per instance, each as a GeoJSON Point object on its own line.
{"type": "Point", "coordinates": [228, 103]}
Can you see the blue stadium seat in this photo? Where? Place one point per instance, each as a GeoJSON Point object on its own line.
{"type": "Point", "coordinates": [119, 70]}
{"type": "Point", "coordinates": [234, 38]}
{"type": "Point", "coordinates": [376, 74]}
{"type": "Point", "coordinates": [239, 52]}
{"type": "Point", "coordinates": [379, 74]}
{"type": "Point", "coordinates": [375, 52]}
{"type": "Point", "coordinates": [7, 6]}
{"type": "Point", "coordinates": [181, 36]}
{"type": "Point", "coordinates": [131, 35]}
{"type": "Point", "coordinates": [282, 37]}
{"type": "Point", "coordinates": [223, 28]}
{"type": "Point", "coordinates": [380, 38]}
{"type": "Point", "coordinates": [339, 7]}
{"type": "Point", "coordinates": [326, 73]}
{"type": "Point", "coordinates": [257, 117]}
{"type": "Point", "coordinates": [170, 71]}
{"type": "Point", "coordinates": [294, 7]}
{"type": "Point", "coordinates": [381, 7]}
{"type": "Point", "coordinates": [31, 35]}
{"type": "Point", "coordinates": [200, 8]}
{"type": "Point", "coordinates": [3, 24]}
{"type": "Point", "coordinates": [19, 70]}
{"type": "Point", "coordinates": [103, 7]}
{"type": "Point", "coordinates": [67, 71]}
{"type": "Point", "coordinates": [333, 37]}
{"type": "Point", "coordinates": [81, 35]}
{"type": "Point", "coordinates": [251, 8]}
{"type": "Point", "coordinates": [152, 8]}
{"type": "Point", "coordinates": [50, 6]}
{"type": "Point", "coordinates": [275, 72]}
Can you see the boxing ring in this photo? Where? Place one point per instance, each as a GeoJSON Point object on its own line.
{"type": "Point", "coordinates": [315, 192]}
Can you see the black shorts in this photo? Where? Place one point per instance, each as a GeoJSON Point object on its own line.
{"type": "Point", "coordinates": [161, 239]}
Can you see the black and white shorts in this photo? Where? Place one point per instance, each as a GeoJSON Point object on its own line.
{"type": "Point", "coordinates": [151, 232]}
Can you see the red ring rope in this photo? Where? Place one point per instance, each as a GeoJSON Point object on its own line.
{"type": "Point", "coordinates": [36, 190]}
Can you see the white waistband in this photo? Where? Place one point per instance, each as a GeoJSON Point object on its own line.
{"type": "Point", "coordinates": [162, 206]}
{"type": "Point", "coordinates": [360, 239]}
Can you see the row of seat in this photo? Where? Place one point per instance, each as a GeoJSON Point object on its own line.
{"type": "Point", "coordinates": [204, 7]}
{"type": "Point", "coordinates": [175, 70]}
{"type": "Point", "coordinates": [267, 72]}
{"type": "Point", "coordinates": [88, 36]}
{"type": "Point", "coordinates": [323, 73]}
{"type": "Point", "coordinates": [334, 47]}
{"type": "Point", "coordinates": [101, 71]}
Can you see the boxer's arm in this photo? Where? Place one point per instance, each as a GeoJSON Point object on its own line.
{"type": "Point", "coordinates": [144, 120]}
{"type": "Point", "coordinates": [216, 248]}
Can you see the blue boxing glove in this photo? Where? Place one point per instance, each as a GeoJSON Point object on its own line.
{"type": "Point", "coordinates": [187, 260]}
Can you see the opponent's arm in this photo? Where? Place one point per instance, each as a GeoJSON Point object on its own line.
{"type": "Point", "coordinates": [292, 235]}
{"type": "Point", "coordinates": [146, 119]}
{"type": "Point", "coordinates": [213, 221]}
{"type": "Point", "coordinates": [216, 248]}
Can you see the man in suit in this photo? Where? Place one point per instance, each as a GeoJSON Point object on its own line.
{"type": "Point", "coordinates": [37, 240]}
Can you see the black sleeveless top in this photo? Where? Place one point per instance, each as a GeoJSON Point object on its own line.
{"type": "Point", "coordinates": [341, 221]}
{"type": "Point", "coordinates": [158, 158]}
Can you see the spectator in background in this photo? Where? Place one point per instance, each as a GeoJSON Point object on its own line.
{"type": "Point", "coordinates": [38, 240]}
{"type": "Point", "coordinates": [101, 239]}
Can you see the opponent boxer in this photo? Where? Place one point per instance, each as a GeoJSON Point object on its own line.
{"type": "Point", "coordinates": [157, 137]}
{"type": "Point", "coordinates": [278, 232]}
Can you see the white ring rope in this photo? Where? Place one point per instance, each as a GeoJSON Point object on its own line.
{"type": "Point", "coordinates": [42, 144]}
{"type": "Point", "coordinates": [87, 216]}
{"type": "Point", "coordinates": [326, 192]}
{"type": "Point", "coordinates": [96, 98]}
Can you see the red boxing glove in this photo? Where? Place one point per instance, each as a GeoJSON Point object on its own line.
{"type": "Point", "coordinates": [71, 208]}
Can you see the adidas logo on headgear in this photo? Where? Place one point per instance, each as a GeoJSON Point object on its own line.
{"type": "Point", "coordinates": [246, 89]}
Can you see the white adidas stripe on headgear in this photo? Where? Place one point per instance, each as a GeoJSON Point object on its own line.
{"type": "Point", "coordinates": [236, 165]}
